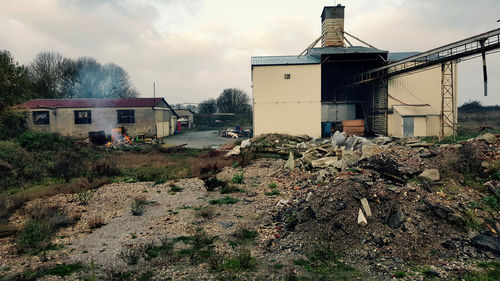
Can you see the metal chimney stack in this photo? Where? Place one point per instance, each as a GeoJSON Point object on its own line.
{"type": "Point", "coordinates": [332, 24]}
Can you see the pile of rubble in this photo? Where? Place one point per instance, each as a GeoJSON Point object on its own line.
{"type": "Point", "coordinates": [391, 198]}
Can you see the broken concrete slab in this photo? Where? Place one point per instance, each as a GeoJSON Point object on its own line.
{"type": "Point", "coordinates": [361, 219]}
{"type": "Point", "coordinates": [487, 242]}
{"type": "Point", "coordinates": [489, 138]}
{"type": "Point", "coordinates": [370, 150]}
{"type": "Point", "coordinates": [233, 152]}
{"type": "Point", "coordinates": [339, 139]}
{"type": "Point", "coordinates": [366, 207]}
{"type": "Point", "coordinates": [324, 162]}
{"type": "Point", "coordinates": [430, 175]}
{"type": "Point", "coordinates": [246, 143]}
{"type": "Point", "coordinates": [290, 163]}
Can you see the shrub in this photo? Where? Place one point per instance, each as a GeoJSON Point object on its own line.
{"type": "Point", "coordinates": [132, 255]}
{"type": "Point", "coordinates": [105, 167]}
{"type": "Point", "coordinates": [17, 166]}
{"type": "Point", "coordinates": [34, 236]}
{"type": "Point", "coordinates": [68, 164]}
{"type": "Point", "coordinates": [95, 222]}
{"type": "Point", "coordinates": [212, 183]}
{"type": "Point", "coordinates": [272, 185]}
{"type": "Point", "coordinates": [137, 209]}
{"type": "Point", "coordinates": [205, 212]}
{"type": "Point", "coordinates": [37, 141]}
{"type": "Point", "coordinates": [492, 202]}
{"type": "Point", "coordinates": [84, 197]}
{"type": "Point", "coordinates": [12, 124]}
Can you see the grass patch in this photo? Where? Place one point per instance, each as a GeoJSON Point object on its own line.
{"type": "Point", "coordinates": [60, 270]}
{"type": "Point", "coordinates": [243, 236]}
{"type": "Point", "coordinates": [272, 185]}
{"type": "Point", "coordinates": [176, 189]}
{"type": "Point", "coordinates": [490, 272]}
{"type": "Point", "coordinates": [273, 192]}
{"type": "Point", "coordinates": [242, 261]}
{"type": "Point", "coordinates": [324, 264]}
{"type": "Point", "coordinates": [223, 201]}
{"type": "Point", "coordinates": [492, 201]}
{"type": "Point", "coordinates": [230, 189]}
{"type": "Point", "coordinates": [201, 247]}
{"type": "Point", "coordinates": [238, 178]}
{"type": "Point", "coordinates": [399, 274]}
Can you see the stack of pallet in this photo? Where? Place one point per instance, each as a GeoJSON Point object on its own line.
{"type": "Point", "coordinates": [354, 127]}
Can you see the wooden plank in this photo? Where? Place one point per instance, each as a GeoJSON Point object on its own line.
{"type": "Point", "coordinates": [353, 123]}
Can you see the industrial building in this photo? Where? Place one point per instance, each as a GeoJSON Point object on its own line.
{"type": "Point", "coordinates": [78, 117]}
{"type": "Point", "coordinates": [314, 92]}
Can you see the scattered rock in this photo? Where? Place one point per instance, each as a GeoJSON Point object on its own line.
{"type": "Point", "coordinates": [366, 207]}
{"type": "Point", "coordinates": [396, 218]}
{"type": "Point", "coordinates": [226, 224]}
{"type": "Point", "coordinates": [361, 219]}
{"type": "Point", "coordinates": [430, 175]}
{"type": "Point", "coordinates": [309, 197]}
{"type": "Point", "coordinates": [339, 206]}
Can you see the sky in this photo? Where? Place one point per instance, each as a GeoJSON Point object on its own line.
{"type": "Point", "coordinates": [193, 49]}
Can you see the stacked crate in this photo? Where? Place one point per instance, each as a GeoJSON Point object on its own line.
{"type": "Point", "coordinates": [354, 127]}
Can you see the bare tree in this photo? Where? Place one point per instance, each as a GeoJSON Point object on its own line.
{"type": "Point", "coordinates": [48, 72]}
{"type": "Point", "coordinates": [207, 106]}
{"type": "Point", "coordinates": [233, 101]}
{"type": "Point", "coordinates": [57, 77]}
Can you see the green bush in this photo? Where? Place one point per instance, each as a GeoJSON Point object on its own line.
{"type": "Point", "coordinates": [17, 166]}
{"type": "Point", "coordinates": [68, 164]}
{"type": "Point", "coordinates": [12, 124]}
{"type": "Point", "coordinates": [34, 236]}
{"type": "Point", "coordinates": [39, 141]}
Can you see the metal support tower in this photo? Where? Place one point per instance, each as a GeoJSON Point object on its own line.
{"type": "Point", "coordinates": [448, 121]}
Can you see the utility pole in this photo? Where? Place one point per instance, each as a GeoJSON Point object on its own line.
{"type": "Point", "coordinates": [154, 111]}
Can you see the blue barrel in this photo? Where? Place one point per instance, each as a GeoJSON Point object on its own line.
{"type": "Point", "coordinates": [327, 129]}
{"type": "Point", "coordinates": [237, 128]}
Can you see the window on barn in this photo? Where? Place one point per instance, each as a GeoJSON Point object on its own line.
{"type": "Point", "coordinates": [41, 117]}
{"type": "Point", "coordinates": [83, 117]}
{"type": "Point", "coordinates": [126, 116]}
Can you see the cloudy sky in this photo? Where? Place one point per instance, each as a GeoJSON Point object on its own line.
{"type": "Point", "coordinates": [193, 49]}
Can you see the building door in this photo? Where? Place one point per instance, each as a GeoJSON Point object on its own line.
{"type": "Point", "coordinates": [408, 125]}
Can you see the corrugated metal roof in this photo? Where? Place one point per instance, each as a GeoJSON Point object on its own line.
{"type": "Point", "coordinates": [400, 55]}
{"type": "Point", "coordinates": [344, 50]}
{"type": "Point", "coordinates": [75, 103]}
{"type": "Point", "coordinates": [415, 110]}
{"type": "Point", "coordinates": [284, 60]}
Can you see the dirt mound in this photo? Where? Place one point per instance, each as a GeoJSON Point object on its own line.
{"type": "Point", "coordinates": [412, 219]}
